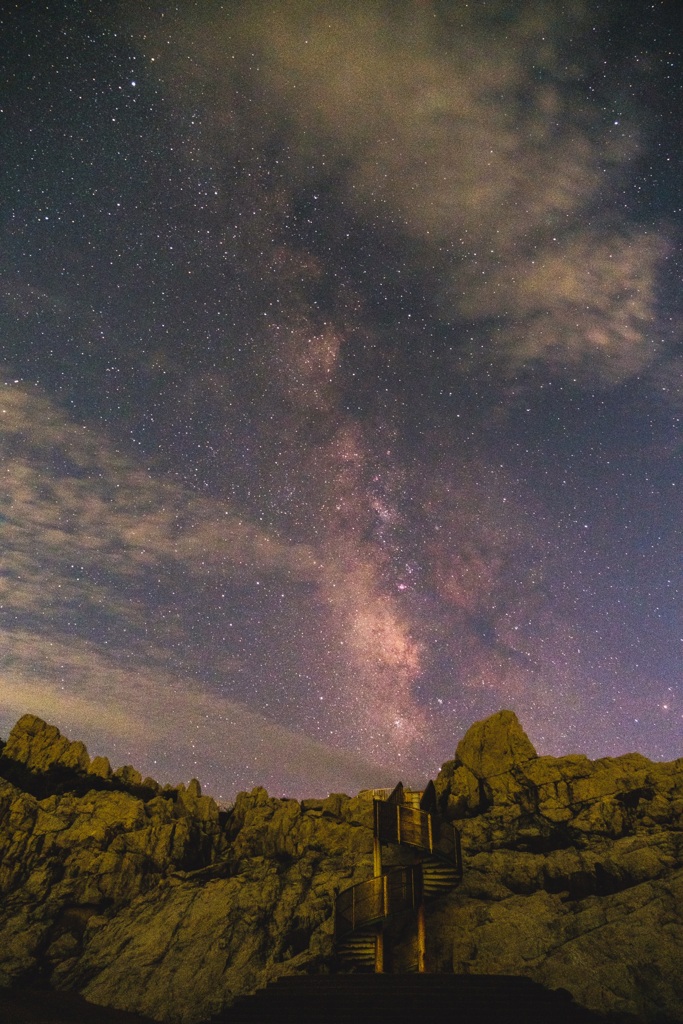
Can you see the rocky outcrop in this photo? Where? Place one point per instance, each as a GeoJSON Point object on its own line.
{"type": "Point", "coordinates": [151, 899]}
{"type": "Point", "coordinates": [573, 871]}
{"type": "Point", "coordinates": [41, 747]}
{"type": "Point", "coordinates": [494, 746]}
{"type": "Point", "coordinates": [67, 858]}
{"type": "Point", "coordinates": [263, 909]}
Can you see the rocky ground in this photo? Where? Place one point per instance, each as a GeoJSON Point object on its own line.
{"type": "Point", "coordinates": [45, 1006]}
{"type": "Point", "coordinates": [152, 900]}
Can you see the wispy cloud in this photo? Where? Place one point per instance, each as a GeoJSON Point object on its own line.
{"type": "Point", "coordinates": [485, 134]}
{"type": "Point", "coordinates": [169, 727]}
{"type": "Point", "coordinates": [95, 630]}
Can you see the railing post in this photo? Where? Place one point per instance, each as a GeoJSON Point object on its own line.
{"type": "Point", "coordinates": [379, 940]}
{"type": "Point", "coordinates": [376, 845]}
{"type": "Point", "coordinates": [379, 951]}
{"type": "Point", "coordinates": [377, 873]}
{"type": "Point", "coordinates": [421, 938]}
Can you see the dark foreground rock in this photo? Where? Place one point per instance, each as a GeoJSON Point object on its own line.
{"type": "Point", "coordinates": [45, 1006]}
{"type": "Point", "coordinates": [152, 900]}
{"type": "Point", "coordinates": [354, 999]}
{"type": "Point", "coordinates": [342, 999]}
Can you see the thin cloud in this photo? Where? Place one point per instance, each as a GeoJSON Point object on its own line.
{"type": "Point", "coordinates": [95, 552]}
{"type": "Point", "coordinates": [474, 132]}
{"type": "Point", "coordinates": [132, 715]}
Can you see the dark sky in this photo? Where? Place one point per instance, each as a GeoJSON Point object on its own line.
{"type": "Point", "coordinates": [342, 382]}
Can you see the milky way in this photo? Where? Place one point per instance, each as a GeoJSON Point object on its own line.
{"type": "Point", "coordinates": [342, 383]}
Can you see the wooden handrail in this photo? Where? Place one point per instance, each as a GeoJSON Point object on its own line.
{"type": "Point", "coordinates": [400, 889]}
{"type": "Point", "coordinates": [409, 826]}
{"type": "Point", "coordinates": [372, 901]}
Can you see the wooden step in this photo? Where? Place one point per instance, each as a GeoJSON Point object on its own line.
{"type": "Point", "coordinates": [358, 949]}
{"type": "Point", "coordinates": [438, 878]}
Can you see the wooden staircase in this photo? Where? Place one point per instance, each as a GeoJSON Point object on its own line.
{"type": "Point", "coordinates": [364, 911]}
{"type": "Point", "coordinates": [358, 950]}
{"type": "Point", "coordinates": [438, 878]}
{"type": "Point", "coordinates": [371, 914]}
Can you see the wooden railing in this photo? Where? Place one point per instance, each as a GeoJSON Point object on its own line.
{"type": "Point", "coordinates": [370, 902]}
{"type": "Point", "coordinates": [399, 823]}
{"type": "Point", "coordinates": [403, 824]}
{"type": "Point", "coordinates": [399, 820]}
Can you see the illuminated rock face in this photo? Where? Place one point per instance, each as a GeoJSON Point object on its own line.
{"type": "Point", "coordinates": [572, 872]}
{"type": "Point", "coordinates": [150, 899]}
{"type": "Point", "coordinates": [494, 746]}
{"type": "Point", "coordinates": [40, 746]}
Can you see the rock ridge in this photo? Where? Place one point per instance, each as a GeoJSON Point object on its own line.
{"type": "Point", "coordinates": [151, 899]}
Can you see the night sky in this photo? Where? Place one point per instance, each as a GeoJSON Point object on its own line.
{"type": "Point", "coordinates": [342, 382]}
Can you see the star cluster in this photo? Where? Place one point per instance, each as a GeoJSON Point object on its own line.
{"type": "Point", "coordinates": [342, 382]}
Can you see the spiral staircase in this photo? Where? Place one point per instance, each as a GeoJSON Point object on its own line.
{"type": "Point", "coordinates": [377, 919]}
{"type": "Point", "coordinates": [366, 913]}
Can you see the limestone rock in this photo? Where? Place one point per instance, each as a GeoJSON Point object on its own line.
{"type": "Point", "coordinates": [69, 855]}
{"type": "Point", "coordinates": [100, 767]}
{"type": "Point", "coordinates": [128, 775]}
{"type": "Point", "coordinates": [463, 791]}
{"type": "Point", "coordinates": [196, 941]}
{"type": "Point", "coordinates": [494, 746]}
{"type": "Point", "coordinates": [40, 747]}
{"type": "Point", "coordinates": [151, 899]}
{"type": "Point", "coordinates": [602, 950]}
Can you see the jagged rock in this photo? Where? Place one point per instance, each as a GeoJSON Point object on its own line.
{"type": "Point", "coordinates": [40, 747]}
{"type": "Point", "coordinates": [459, 790]}
{"type": "Point", "coordinates": [333, 804]}
{"type": "Point", "coordinates": [601, 949]}
{"type": "Point", "coordinates": [70, 855]}
{"type": "Point", "coordinates": [194, 943]}
{"type": "Point", "coordinates": [190, 802]}
{"type": "Point", "coordinates": [164, 905]}
{"type": "Point", "coordinates": [100, 766]}
{"type": "Point", "coordinates": [128, 775]}
{"type": "Point", "coordinates": [494, 746]}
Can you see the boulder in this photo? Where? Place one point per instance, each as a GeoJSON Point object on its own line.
{"type": "Point", "coordinates": [129, 776]}
{"type": "Point", "coordinates": [494, 746]}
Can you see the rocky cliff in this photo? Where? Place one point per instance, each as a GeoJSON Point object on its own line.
{"type": "Point", "coordinates": [153, 900]}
